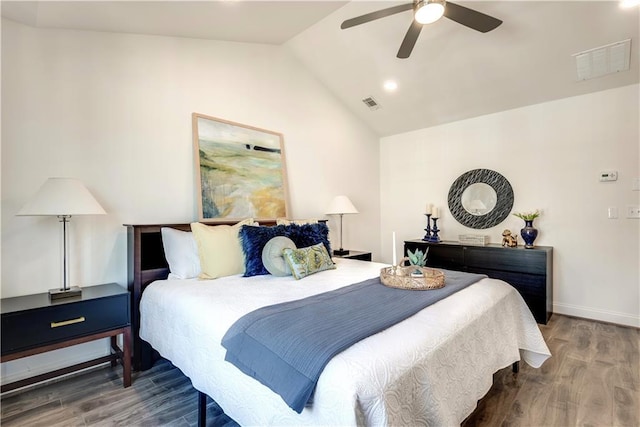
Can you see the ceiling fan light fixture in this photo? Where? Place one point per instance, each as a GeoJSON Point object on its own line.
{"type": "Point", "coordinates": [429, 11]}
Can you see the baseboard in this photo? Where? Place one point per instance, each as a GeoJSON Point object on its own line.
{"type": "Point", "coordinates": [624, 319]}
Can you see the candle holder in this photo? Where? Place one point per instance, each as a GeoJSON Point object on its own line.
{"type": "Point", "coordinates": [428, 229]}
{"type": "Point", "coordinates": [432, 232]}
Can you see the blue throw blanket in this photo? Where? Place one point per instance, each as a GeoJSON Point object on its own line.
{"type": "Point", "coordinates": [286, 346]}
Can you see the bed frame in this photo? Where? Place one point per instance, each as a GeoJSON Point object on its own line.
{"type": "Point", "coordinates": [146, 263]}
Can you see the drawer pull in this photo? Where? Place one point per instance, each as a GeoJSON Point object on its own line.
{"type": "Point", "coordinates": [68, 322]}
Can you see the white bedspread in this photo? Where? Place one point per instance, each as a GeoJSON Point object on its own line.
{"type": "Point", "coordinates": [430, 369]}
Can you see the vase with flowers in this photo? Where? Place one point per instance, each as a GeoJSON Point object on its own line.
{"type": "Point", "coordinates": [529, 232]}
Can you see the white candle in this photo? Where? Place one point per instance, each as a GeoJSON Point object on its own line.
{"type": "Point", "coordinates": [428, 208]}
{"type": "Point", "coordinates": [434, 212]}
{"type": "Point", "coordinates": [394, 247]}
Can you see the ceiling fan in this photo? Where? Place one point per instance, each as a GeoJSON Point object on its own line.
{"type": "Point", "coordinates": [426, 12]}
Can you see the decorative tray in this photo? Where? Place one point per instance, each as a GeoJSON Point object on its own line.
{"type": "Point", "coordinates": [412, 277]}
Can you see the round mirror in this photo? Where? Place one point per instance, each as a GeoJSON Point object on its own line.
{"type": "Point", "coordinates": [480, 198]}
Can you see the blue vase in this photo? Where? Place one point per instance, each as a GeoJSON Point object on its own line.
{"type": "Point", "coordinates": [528, 233]}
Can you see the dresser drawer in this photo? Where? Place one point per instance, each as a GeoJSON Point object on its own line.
{"type": "Point", "coordinates": [28, 329]}
{"type": "Point", "coordinates": [506, 259]}
{"type": "Point", "coordinates": [450, 257]}
{"type": "Point", "coordinates": [527, 284]}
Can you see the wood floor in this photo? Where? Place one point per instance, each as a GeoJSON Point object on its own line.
{"type": "Point", "coordinates": [593, 379]}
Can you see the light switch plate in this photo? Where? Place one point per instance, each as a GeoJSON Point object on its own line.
{"type": "Point", "coordinates": [608, 176]}
{"type": "Point", "coordinates": [633, 211]}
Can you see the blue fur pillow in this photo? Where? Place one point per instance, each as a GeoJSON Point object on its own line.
{"type": "Point", "coordinates": [253, 241]}
{"type": "Point", "coordinates": [255, 238]}
{"type": "Point", "coordinates": [309, 234]}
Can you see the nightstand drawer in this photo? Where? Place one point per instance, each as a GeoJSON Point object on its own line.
{"type": "Point", "coordinates": [34, 328]}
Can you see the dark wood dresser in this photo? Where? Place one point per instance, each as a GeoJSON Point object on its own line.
{"type": "Point", "coordinates": [530, 271]}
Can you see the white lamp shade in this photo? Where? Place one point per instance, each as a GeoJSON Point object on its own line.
{"type": "Point", "coordinates": [341, 205]}
{"type": "Point", "coordinates": [62, 196]}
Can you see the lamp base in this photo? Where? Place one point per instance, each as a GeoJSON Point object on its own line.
{"type": "Point", "coordinates": [341, 252]}
{"type": "Point", "coordinates": [73, 291]}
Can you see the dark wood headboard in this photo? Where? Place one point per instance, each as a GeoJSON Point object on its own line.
{"type": "Point", "coordinates": [145, 264]}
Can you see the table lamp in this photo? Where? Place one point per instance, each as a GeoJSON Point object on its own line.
{"type": "Point", "coordinates": [62, 197]}
{"type": "Point", "coordinates": [341, 205]}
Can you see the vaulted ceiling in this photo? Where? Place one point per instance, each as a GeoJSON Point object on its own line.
{"type": "Point", "coordinates": [453, 72]}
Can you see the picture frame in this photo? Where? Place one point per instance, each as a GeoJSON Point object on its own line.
{"type": "Point", "coordinates": [240, 171]}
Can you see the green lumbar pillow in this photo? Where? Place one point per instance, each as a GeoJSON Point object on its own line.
{"type": "Point", "coordinates": [309, 260]}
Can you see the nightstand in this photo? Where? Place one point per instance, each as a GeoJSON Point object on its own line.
{"type": "Point", "coordinates": [34, 324]}
{"type": "Point", "coordinates": [359, 255]}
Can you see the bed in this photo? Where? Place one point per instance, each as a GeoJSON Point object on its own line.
{"type": "Point", "coordinates": [430, 369]}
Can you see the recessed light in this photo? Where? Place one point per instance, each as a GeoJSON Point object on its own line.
{"type": "Point", "coordinates": [390, 85]}
{"type": "Point", "coordinates": [629, 3]}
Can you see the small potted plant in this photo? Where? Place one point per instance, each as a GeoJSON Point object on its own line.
{"type": "Point", "coordinates": [417, 258]}
{"type": "Point", "coordinates": [529, 232]}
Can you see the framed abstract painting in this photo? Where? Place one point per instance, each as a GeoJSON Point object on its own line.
{"type": "Point", "coordinates": [240, 171]}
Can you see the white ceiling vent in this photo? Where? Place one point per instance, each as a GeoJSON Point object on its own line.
{"type": "Point", "coordinates": [603, 60]}
{"type": "Point", "coordinates": [371, 103]}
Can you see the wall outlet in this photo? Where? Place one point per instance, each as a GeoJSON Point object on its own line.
{"type": "Point", "coordinates": [633, 211]}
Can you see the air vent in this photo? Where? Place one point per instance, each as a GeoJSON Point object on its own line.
{"type": "Point", "coordinates": [371, 103]}
{"type": "Point", "coordinates": [603, 60]}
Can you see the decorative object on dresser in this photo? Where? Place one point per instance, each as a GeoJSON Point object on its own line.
{"type": "Point", "coordinates": [34, 324]}
{"type": "Point", "coordinates": [529, 271]}
{"type": "Point", "coordinates": [529, 232]}
{"type": "Point", "coordinates": [480, 198]}
{"type": "Point", "coordinates": [241, 171]}
{"type": "Point", "coordinates": [508, 239]}
{"type": "Point", "coordinates": [431, 232]}
{"type": "Point", "coordinates": [64, 198]}
{"type": "Point", "coordinates": [341, 205]}
{"type": "Point", "coordinates": [473, 239]}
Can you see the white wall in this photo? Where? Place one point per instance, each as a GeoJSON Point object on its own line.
{"type": "Point", "coordinates": [114, 110]}
{"type": "Point", "coordinates": [552, 154]}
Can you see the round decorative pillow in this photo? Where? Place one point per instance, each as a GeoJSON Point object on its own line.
{"type": "Point", "coordinates": [272, 256]}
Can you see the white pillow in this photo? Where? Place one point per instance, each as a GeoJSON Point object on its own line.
{"type": "Point", "coordinates": [181, 252]}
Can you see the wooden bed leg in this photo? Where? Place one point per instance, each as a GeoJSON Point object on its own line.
{"type": "Point", "coordinates": [202, 409]}
{"type": "Point", "coordinates": [515, 367]}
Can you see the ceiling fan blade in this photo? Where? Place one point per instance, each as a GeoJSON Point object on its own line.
{"type": "Point", "coordinates": [471, 18]}
{"type": "Point", "coordinates": [410, 39]}
{"type": "Point", "coordinates": [375, 15]}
